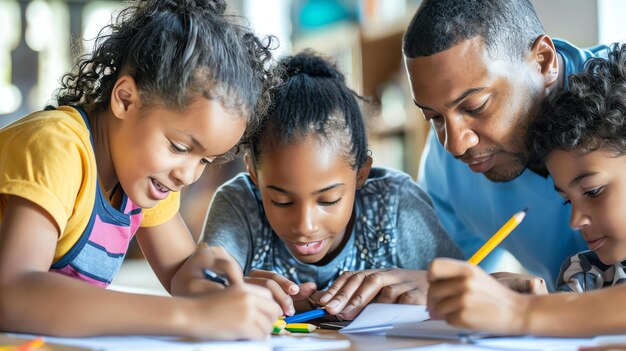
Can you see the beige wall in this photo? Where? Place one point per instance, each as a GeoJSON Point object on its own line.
{"type": "Point", "coordinates": [573, 20]}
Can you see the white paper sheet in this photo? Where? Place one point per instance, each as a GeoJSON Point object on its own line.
{"type": "Point", "coordinates": [610, 339]}
{"type": "Point", "coordinates": [307, 343]}
{"type": "Point", "coordinates": [446, 347]}
{"type": "Point", "coordinates": [378, 317]}
{"type": "Point", "coordinates": [435, 329]}
{"type": "Point", "coordinates": [533, 343]}
{"type": "Point", "coordinates": [140, 343]}
{"type": "Point", "coordinates": [150, 343]}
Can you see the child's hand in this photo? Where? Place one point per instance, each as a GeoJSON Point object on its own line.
{"type": "Point", "coordinates": [189, 280]}
{"type": "Point", "coordinates": [285, 291]}
{"type": "Point", "coordinates": [522, 283]}
{"type": "Point", "coordinates": [241, 311]}
{"type": "Point", "coordinates": [352, 291]}
{"type": "Point", "coordinates": [466, 296]}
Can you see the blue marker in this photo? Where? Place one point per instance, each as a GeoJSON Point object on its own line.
{"type": "Point", "coordinates": [306, 316]}
{"type": "Point", "coordinates": [212, 276]}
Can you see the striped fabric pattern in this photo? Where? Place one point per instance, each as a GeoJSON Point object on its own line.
{"type": "Point", "coordinates": [98, 254]}
{"type": "Point", "coordinates": [584, 271]}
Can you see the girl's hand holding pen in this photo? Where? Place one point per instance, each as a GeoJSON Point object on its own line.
{"type": "Point", "coordinates": [226, 307]}
{"type": "Point", "coordinates": [240, 311]}
{"type": "Point", "coordinates": [191, 279]}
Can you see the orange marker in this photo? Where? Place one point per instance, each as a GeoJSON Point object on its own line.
{"type": "Point", "coordinates": [31, 345]}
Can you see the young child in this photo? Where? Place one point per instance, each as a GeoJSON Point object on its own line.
{"type": "Point", "coordinates": [581, 136]}
{"type": "Point", "coordinates": [311, 207]}
{"type": "Point", "coordinates": [169, 90]}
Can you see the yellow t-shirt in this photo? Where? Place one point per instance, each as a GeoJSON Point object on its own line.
{"type": "Point", "coordinates": [47, 158]}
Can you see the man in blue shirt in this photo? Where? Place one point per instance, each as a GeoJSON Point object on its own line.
{"type": "Point", "coordinates": [479, 70]}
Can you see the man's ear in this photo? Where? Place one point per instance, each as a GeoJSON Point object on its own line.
{"type": "Point", "coordinates": [125, 97]}
{"type": "Point", "coordinates": [363, 172]}
{"type": "Point", "coordinates": [544, 54]}
{"type": "Point", "coordinates": [247, 158]}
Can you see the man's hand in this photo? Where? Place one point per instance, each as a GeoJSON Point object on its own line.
{"type": "Point", "coordinates": [522, 283]}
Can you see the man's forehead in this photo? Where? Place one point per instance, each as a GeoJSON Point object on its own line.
{"type": "Point", "coordinates": [458, 50]}
{"type": "Point", "coordinates": [447, 85]}
{"type": "Point", "coordinates": [450, 74]}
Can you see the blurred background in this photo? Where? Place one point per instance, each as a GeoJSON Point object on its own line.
{"type": "Point", "coordinates": [40, 39]}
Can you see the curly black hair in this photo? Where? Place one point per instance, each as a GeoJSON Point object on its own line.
{"type": "Point", "coordinates": [313, 100]}
{"type": "Point", "coordinates": [175, 50]}
{"type": "Point", "coordinates": [590, 115]}
{"type": "Point", "coordinates": [508, 27]}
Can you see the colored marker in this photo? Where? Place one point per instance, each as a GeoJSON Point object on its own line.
{"type": "Point", "coordinates": [500, 235]}
{"type": "Point", "coordinates": [300, 327]}
{"type": "Point", "coordinates": [306, 316]}
{"type": "Point", "coordinates": [279, 327]}
{"type": "Point", "coordinates": [30, 345]}
{"type": "Point", "coordinates": [214, 277]}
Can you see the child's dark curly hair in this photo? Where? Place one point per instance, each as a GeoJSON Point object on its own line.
{"type": "Point", "coordinates": [175, 50]}
{"type": "Point", "coordinates": [313, 99]}
{"type": "Point", "coordinates": [590, 115]}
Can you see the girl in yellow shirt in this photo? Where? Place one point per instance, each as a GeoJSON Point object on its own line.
{"type": "Point", "coordinates": [168, 91]}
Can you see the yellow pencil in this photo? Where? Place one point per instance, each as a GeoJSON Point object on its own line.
{"type": "Point", "coordinates": [491, 244]}
{"type": "Point", "coordinates": [300, 327]}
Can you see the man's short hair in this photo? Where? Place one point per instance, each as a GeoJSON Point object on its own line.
{"type": "Point", "coordinates": [508, 27]}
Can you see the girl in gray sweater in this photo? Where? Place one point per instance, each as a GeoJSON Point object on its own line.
{"type": "Point", "coordinates": [313, 214]}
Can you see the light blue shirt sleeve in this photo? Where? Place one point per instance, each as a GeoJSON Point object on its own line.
{"type": "Point", "coordinates": [574, 58]}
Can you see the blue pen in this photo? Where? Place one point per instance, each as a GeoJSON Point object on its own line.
{"type": "Point", "coordinates": [306, 316]}
{"type": "Point", "coordinates": [212, 276]}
